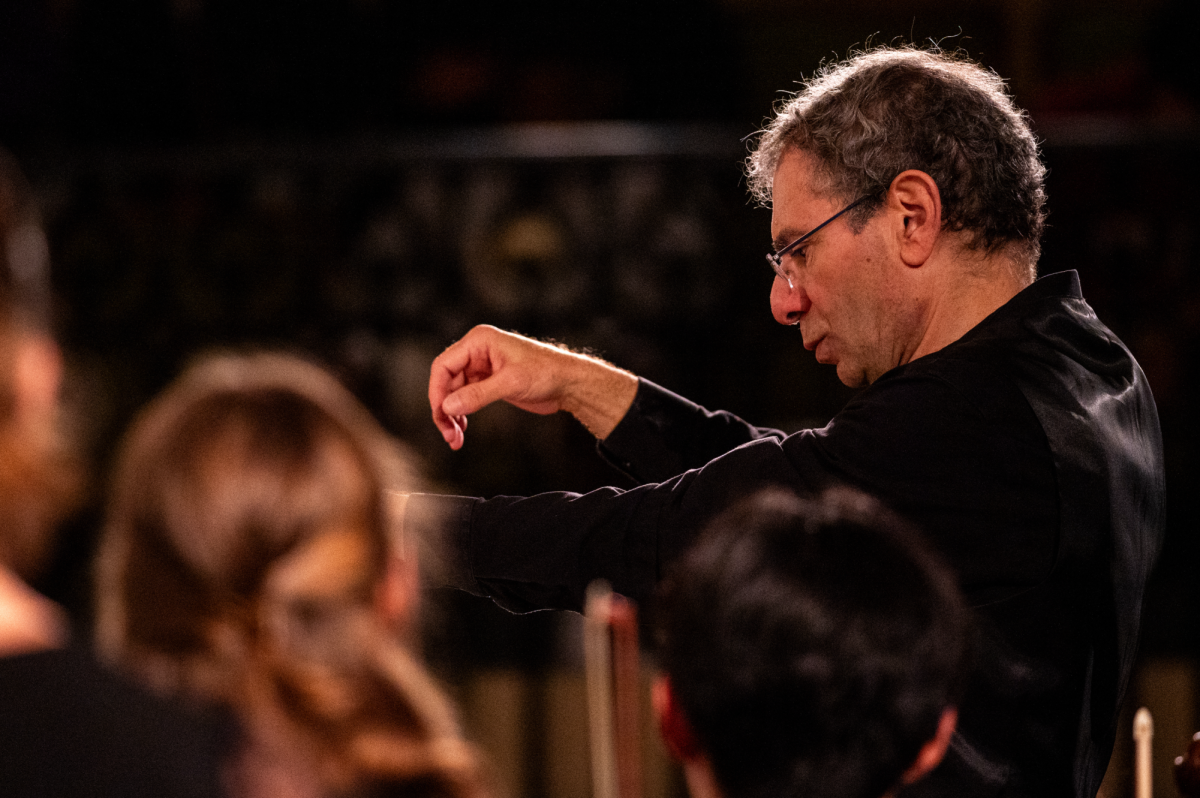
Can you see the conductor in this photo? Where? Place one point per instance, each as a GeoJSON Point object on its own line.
{"type": "Point", "coordinates": [998, 414]}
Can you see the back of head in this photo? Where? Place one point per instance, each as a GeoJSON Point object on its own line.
{"type": "Point", "coordinates": [38, 477]}
{"type": "Point", "coordinates": [886, 110]}
{"type": "Point", "coordinates": [813, 645]}
{"type": "Point", "coordinates": [247, 537]}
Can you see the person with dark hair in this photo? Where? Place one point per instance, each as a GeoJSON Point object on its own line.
{"type": "Point", "coordinates": [67, 726]}
{"type": "Point", "coordinates": [809, 646]}
{"type": "Point", "coordinates": [249, 565]}
{"type": "Point", "coordinates": [996, 412]}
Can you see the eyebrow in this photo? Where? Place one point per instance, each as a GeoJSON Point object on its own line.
{"type": "Point", "coordinates": [787, 236]}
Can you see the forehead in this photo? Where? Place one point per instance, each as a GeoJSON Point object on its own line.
{"type": "Point", "coordinates": [795, 199]}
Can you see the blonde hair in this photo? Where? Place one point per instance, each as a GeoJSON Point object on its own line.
{"type": "Point", "coordinates": [247, 533]}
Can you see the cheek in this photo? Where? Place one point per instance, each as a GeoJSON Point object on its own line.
{"type": "Point", "coordinates": [856, 306]}
{"type": "Point", "coordinates": [845, 280]}
{"type": "Point", "coordinates": [871, 283]}
{"type": "Point", "coordinates": [833, 291]}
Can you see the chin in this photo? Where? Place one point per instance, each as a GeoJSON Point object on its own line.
{"type": "Point", "coordinates": [850, 376]}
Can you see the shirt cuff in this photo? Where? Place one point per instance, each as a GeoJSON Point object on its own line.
{"type": "Point", "coordinates": [441, 525]}
{"type": "Point", "coordinates": [638, 446]}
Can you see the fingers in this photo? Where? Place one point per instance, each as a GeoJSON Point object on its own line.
{"type": "Point", "coordinates": [453, 428]}
{"type": "Point", "coordinates": [488, 365]}
{"type": "Point", "coordinates": [458, 382]}
{"type": "Point", "coordinates": [454, 433]}
{"type": "Point", "coordinates": [446, 375]}
{"type": "Point", "coordinates": [475, 396]}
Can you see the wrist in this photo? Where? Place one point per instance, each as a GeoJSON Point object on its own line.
{"type": "Point", "coordinates": [600, 395]}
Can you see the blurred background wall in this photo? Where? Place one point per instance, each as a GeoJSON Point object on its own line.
{"type": "Point", "coordinates": [364, 180]}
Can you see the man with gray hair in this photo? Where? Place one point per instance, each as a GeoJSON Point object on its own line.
{"type": "Point", "coordinates": [998, 414]}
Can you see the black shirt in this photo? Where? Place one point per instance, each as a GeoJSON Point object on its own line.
{"type": "Point", "coordinates": [1028, 450]}
{"type": "Point", "coordinates": [69, 728]}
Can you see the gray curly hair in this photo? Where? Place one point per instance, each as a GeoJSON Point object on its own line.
{"type": "Point", "coordinates": [879, 112]}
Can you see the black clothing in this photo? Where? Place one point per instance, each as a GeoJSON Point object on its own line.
{"type": "Point", "coordinates": [1028, 450]}
{"type": "Point", "coordinates": [70, 728]}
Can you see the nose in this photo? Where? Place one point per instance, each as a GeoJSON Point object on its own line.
{"type": "Point", "coordinates": [788, 304]}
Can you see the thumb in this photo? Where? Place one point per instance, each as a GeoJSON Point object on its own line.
{"type": "Point", "coordinates": [475, 396]}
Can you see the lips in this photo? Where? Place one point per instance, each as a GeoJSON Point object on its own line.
{"type": "Point", "coordinates": [822, 349]}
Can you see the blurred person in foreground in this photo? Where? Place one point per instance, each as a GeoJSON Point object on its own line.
{"type": "Point", "coordinates": [997, 413]}
{"type": "Point", "coordinates": [247, 565]}
{"type": "Point", "coordinates": [811, 647]}
{"type": "Point", "coordinates": [67, 726]}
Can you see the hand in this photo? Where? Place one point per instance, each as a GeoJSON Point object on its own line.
{"type": "Point", "coordinates": [488, 365]}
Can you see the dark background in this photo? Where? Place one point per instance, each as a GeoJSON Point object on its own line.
{"type": "Point", "coordinates": [364, 180]}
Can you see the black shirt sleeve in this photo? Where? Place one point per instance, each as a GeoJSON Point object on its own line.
{"type": "Point", "coordinates": [663, 434]}
{"type": "Point", "coordinates": [922, 445]}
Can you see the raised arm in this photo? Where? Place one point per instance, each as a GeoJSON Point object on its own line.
{"type": "Point", "coordinates": [488, 364]}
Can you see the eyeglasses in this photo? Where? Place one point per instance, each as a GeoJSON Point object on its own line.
{"type": "Point", "coordinates": [776, 258]}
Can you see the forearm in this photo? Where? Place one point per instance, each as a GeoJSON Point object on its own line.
{"type": "Point", "coordinates": [663, 434]}
{"type": "Point", "coordinates": [539, 552]}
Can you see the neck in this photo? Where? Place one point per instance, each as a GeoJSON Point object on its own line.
{"type": "Point", "coordinates": [966, 294]}
{"type": "Point", "coordinates": [28, 620]}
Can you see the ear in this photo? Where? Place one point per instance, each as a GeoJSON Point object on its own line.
{"type": "Point", "coordinates": [916, 204]}
{"type": "Point", "coordinates": [673, 726]}
{"type": "Point", "coordinates": [397, 594]}
{"type": "Point", "coordinates": [932, 752]}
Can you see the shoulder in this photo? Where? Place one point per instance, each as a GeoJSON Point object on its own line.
{"type": "Point", "coordinates": [938, 422]}
{"type": "Point", "coordinates": [949, 392]}
{"type": "Point", "coordinates": [68, 721]}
